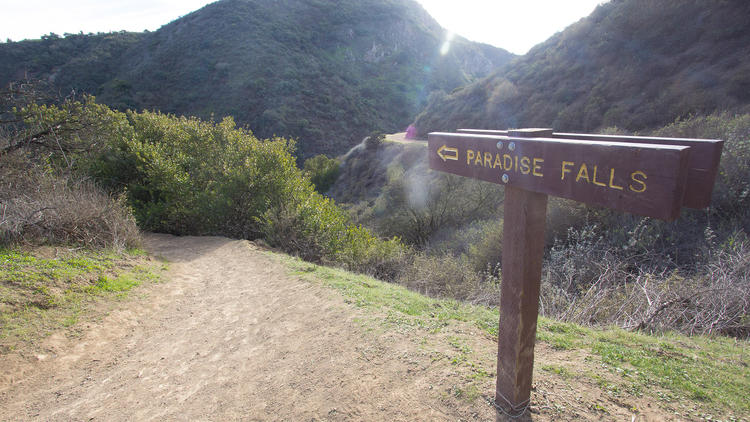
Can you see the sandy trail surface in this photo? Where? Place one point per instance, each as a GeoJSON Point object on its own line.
{"type": "Point", "coordinates": [230, 336]}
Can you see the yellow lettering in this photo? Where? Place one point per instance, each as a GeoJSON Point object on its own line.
{"type": "Point", "coordinates": [642, 188]}
{"type": "Point", "coordinates": [478, 160]}
{"type": "Point", "coordinates": [565, 169]}
{"type": "Point", "coordinates": [594, 179]}
{"type": "Point", "coordinates": [536, 171]}
{"type": "Point", "coordinates": [487, 160]}
{"type": "Point", "coordinates": [498, 162]}
{"type": "Point", "coordinates": [516, 159]}
{"type": "Point", "coordinates": [469, 156]}
{"type": "Point", "coordinates": [612, 180]}
{"type": "Point", "coordinates": [507, 162]}
{"type": "Point", "coordinates": [525, 165]}
{"type": "Point", "coordinates": [583, 173]}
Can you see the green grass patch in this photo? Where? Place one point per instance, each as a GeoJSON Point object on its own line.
{"type": "Point", "coordinates": [39, 294]}
{"type": "Point", "coordinates": [402, 306]}
{"type": "Point", "coordinates": [711, 372]}
{"type": "Point", "coordinates": [559, 370]}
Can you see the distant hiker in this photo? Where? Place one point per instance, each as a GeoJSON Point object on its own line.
{"type": "Point", "coordinates": [411, 132]}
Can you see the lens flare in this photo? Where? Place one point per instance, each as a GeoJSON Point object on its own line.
{"type": "Point", "coordinates": [446, 47]}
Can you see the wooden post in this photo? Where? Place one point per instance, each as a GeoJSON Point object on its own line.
{"type": "Point", "coordinates": [523, 249]}
{"type": "Point", "coordinates": [524, 221]}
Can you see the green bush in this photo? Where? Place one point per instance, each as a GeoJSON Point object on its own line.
{"type": "Point", "coordinates": [322, 171]}
{"type": "Point", "coordinates": [186, 176]}
{"type": "Point", "coordinates": [314, 228]}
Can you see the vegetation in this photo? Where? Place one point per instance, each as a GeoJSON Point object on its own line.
{"type": "Point", "coordinates": [79, 173]}
{"type": "Point", "coordinates": [176, 175]}
{"type": "Point", "coordinates": [47, 288]}
{"type": "Point", "coordinates": [325, 72]}
{"type": "Point", "coordinates": [45, 197]}
{"type": "Point", "coordinates": [601, 267]}
{"type": "Point", "coordinates": [322, 171]}
{"type": "Point", "coordinates": [635, 64]}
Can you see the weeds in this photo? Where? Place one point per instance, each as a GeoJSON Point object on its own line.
{"type": "Point", "coordinates": [43, 290]}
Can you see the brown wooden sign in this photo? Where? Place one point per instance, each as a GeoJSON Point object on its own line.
{"type": "Point", "coordinates": [648, 176]}
{"type": "Point", "coordinates": [703, 160]}
{"type": "Point", "coordinates": [643, 178]}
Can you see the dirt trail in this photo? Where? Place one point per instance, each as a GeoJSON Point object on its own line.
{"type": "Point", "coordinates": [229, 337]}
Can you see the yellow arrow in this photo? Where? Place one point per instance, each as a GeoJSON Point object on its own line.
{"type": "Point", "coordinates": [444, 149]}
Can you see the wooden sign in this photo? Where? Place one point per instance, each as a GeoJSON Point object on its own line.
{"type": "Point", "coordinates": [653, 177]}
{"type": "Point", "coordinates": [703, 161]}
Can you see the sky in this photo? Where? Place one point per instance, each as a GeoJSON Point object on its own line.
{"type": "Point", "coordinates": [515, 25]}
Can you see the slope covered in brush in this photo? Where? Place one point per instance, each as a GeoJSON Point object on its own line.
{"type": "Point", "coordinates": [633, 64]}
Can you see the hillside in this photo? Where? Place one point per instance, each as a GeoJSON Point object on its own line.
{"type": "Point", "coordinates": [634, 64]}
{"type": "Point", "coordinates": [325, 72]}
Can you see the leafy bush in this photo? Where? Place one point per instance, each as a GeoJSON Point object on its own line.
{"type": "Point", "coordinates": [322, 171]}
{"type": "Point", "coordinates": [186, 176]}
{"type": "Point", "coordinates": [314, 228]}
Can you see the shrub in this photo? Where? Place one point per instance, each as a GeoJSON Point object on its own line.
{"type": "Point", "coordinates": [45, 196]}
{"type": "Point", "coordinates": [38, 207]}
{"type": "Point", "coordinates": [186, 176]}
{"type": "Point", "coordinates": [418, 204]}
{"type": "Point", "coordinates": [487, 251]}
{"type": "Point", "coordinates": [589, 282]}
{"type": "Point", "coordinates": [322, 171]}
{"type": "Point", "coordinates": [441, 276]}
{"type": "Point", "coordinates": [317, 230]}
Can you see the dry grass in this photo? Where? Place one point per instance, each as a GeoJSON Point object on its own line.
{"type": "Point", "coordinates": [38, 207]}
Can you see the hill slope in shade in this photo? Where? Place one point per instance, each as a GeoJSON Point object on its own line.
{"type": "Point", "coordinates": [633, 64]}
{"type": "Point", "coordinates": [323, 71]}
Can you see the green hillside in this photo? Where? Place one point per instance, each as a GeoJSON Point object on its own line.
{"type": "Point", "coordinates": [634, 64]}
{"type": "Point", "coordinates": [323, 71]}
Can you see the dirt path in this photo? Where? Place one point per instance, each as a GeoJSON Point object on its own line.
{"type": "Point", "coordinates": [229, 337]}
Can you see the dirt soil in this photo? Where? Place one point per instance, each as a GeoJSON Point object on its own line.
{"type": "Point", "coordinates": [232, 336]}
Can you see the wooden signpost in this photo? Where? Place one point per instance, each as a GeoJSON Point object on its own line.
{"type": "Point", "coordinates": [653, 177]}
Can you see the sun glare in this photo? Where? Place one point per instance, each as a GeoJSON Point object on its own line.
{"type": "Point", "coordinates": [446, 47]}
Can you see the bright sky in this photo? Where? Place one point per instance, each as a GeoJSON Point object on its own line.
{"type": "Point", "coordinates": [515, 25]}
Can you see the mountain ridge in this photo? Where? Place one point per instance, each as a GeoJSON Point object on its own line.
{"type": "Point", "coordinates": [323, 72]}
{"type": "Point", "coordinates": [633, 64]}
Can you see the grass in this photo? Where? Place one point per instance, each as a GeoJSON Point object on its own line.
{"type": "Point", "coordinates": [41, 293]}
{"type": "Point", "coordinates": [711, 373]}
